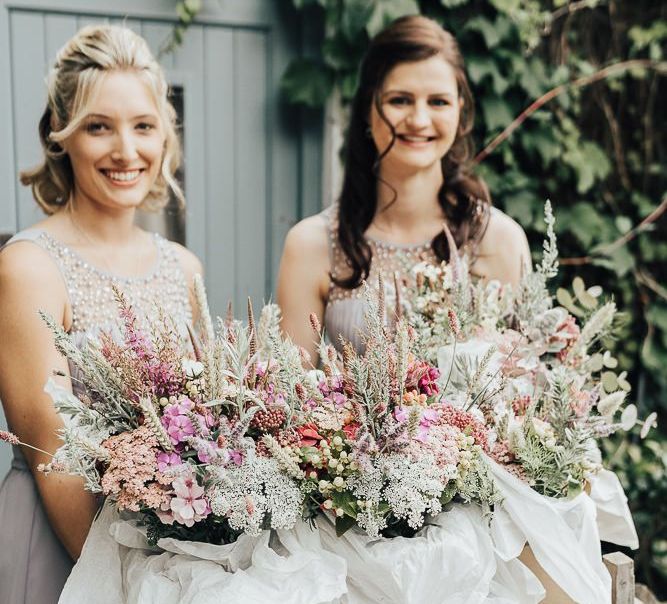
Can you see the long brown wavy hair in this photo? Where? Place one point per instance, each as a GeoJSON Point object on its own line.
{"type": "Point", "coordinates": [464, 197]}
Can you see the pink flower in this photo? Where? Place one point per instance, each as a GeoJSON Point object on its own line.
{"type": "Point", "coordinates": [236, 456]}
{"type": "Point", "coordinates": [180, 429]}
{"type": "Point", "coordinates": [167, 460]}
{"type": "Point", "coordinates": [189, 505]}
{"type": "Point", "coordinates": [351, 430]}
{"type": "Point", "coordinates": [401, 414]}
{"type": "Point", "coordinates": [427, 382]}
{"type": "Point", "coordinates": [309, 436]}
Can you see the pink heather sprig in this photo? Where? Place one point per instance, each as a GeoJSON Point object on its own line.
{"type": "Point", "coordinates": [454, 324]}
{"type": "Point", "coordinates": [12, 439]}
{"type": "Point", "coordinates": [135, 338]}
{"type": "Point", "coordinates": [9, 437]}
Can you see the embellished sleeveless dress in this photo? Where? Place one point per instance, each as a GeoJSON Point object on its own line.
{"type": "Point", "coordinates": [345, 308]}
{"type": "Point", "coordinates": [33, 564]}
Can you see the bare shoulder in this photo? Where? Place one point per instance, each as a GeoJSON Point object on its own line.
{"type": "Point", "coordinates": [503, 249]}
{"type": "Point", "coordinates": [25, 265]}
{"type": "Point", "coordinates": [309, 236]}
{"type": "Point", "coordinates": [29, 278]}
{"type": "Point", "coordinates": [189, 262]}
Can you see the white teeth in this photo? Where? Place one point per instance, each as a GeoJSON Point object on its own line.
{"type": "Point", "coordinates": [123, 176]}
{"type": "Point", "coordinates": [415, 139]}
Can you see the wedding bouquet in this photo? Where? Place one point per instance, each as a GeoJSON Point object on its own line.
{"type": "Point", "coordinates": [536, 367]}
{"type": "Point", "coordinates": [184, 436]}
{"type": "Point", "coordinates": [179, 436]}
{"type": "Point", "coordinates": [538, 372]}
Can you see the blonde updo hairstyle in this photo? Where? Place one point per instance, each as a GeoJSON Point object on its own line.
{"type": "Point", "coordinates": [79, 69]}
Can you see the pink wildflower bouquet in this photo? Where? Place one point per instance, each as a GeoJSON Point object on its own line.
{"type": "Point", "coordinates": [538, 372]}
{"type": "Point", "coordinates": [181, 431]}
{"type": "Point", "coordinates": [377, 444]}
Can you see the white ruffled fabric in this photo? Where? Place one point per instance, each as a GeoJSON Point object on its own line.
{"type": "Point", "coordinates": [118, 567]}
{"type": "Point", "coordinates": [615, 523]}
{"type": "Point", "coordinates": [562, 533]}
{"type": "Point", "coordinates": [449, 561]}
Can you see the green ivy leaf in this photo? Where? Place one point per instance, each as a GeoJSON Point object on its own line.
{"type": "Point", "coordinates": [508, 7]}
{"type": "Point", "coordinates": [485, 27]}
{"type": "Point", "coordinates": [307, 83]}
{"type": "Point", "coordinates": [480, 67]}
{"type": "Point", "coordinates": [497, 113]}
{"type": "Point", "coordinates": [387, 10]}
{"type": "Point", "coordinates": [356, 14]}
{"type": "Point", "coordinates": [453, 3]}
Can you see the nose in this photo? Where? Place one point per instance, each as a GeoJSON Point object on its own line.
{"type": "Point", "coordinates": [125, 148]}
{"type": "Point", "coordinates": [419, 116]}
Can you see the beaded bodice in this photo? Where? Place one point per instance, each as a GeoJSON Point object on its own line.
{"type": "Point", "coordinates": [344, 312]}
{"type": "Point", "coordinates": [91, 293]}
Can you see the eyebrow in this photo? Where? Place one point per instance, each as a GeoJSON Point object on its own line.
{"type": "Point", "coordinates": [143, 116]}
{"type": "Point", "coordinates": [405, 92]}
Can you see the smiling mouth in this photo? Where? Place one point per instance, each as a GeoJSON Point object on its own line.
{"type": "Point", "coordinates": [122, 176]}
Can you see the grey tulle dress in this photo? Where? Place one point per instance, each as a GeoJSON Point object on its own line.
{"type": "Point", "coordinates": [345, 309]}
{"type": "Point", "coordinates": [33, 564]}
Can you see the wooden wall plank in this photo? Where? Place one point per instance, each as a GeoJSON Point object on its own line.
{"type": "Point", "coordinates": [157, 35]}
{"type": "Point", "coordinates": [29, 99]}
{"type": "Point", "coordinates": [58, 29]}
{"type": "Point", "coordinates": [250, 146]}
{"type": "Point", "coordinates": [8, 214]}
{"type": "Point", "coordinates": [221, 226]}
{"type": "Point", "coordinates": [84, 20]}
{"type": "Point", "coordinates": [188, 68]}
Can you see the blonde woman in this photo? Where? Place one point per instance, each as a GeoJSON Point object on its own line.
{"type": "Point", "coordinates": [110, 147]}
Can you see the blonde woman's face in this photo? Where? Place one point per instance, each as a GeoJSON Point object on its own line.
{"type": "Point", "coordinates": [421, 101]}
{"type": "Point", "coordinates": [116, 153]}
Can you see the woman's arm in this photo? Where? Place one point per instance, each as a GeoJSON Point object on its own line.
{"type": "Point", "coordinates": [303, 282]}
{"type": "Point", "coordinates": [29, 283]}
{"type": "Point", "coordinates": [503, 252]}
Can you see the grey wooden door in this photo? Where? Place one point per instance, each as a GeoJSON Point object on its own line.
{"type": "Point", "coordinates": [252, 165]}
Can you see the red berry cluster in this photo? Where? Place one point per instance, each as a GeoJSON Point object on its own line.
{"type": "Point", "coordinates": [270, 420]}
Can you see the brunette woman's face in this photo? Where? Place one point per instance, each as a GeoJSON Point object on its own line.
{"type": "Point", "coordinates": [421, 101]}
{"type": "Point", "coordinates": [116, 153]}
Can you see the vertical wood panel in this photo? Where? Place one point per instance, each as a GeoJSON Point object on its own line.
{"type": "Point", "coordinates": [8, 217]}
{"type": "Point", "coordinates": [157, 35]}
{"type": "Point", "coordinates": [58, 29]}
{"type": "Point", "coordinates": [84, 20]}
{"type": "Point", "coordinates": [221, 167]}
{"type": "Point", "coordinates": [29, 100]}
{"type": "Point", "coordinates": [250, 145]}
{"type": "Point", "coordinates": [189, 60]}
{"type": "Point", "coordinates": [133, 24]}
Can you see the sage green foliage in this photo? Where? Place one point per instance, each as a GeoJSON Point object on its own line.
{"type": "Point", "coordinates": [598, 152]}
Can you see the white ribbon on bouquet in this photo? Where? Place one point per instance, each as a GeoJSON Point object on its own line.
{"type": "Point", "coordinates": [562, 533]}
{"type": "Point", "coordinates": [451, 560]}
{"type": "Point", "coordinates": [118, 567]}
